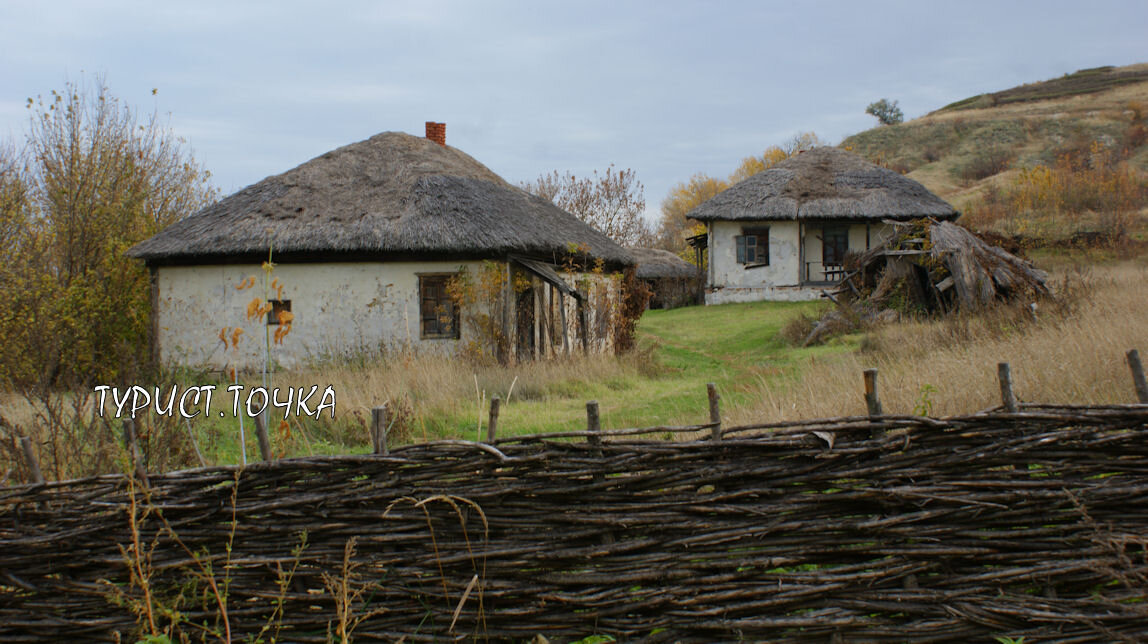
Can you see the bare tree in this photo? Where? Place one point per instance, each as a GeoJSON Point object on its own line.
{"type": "Point", "coordinates": [611, 202]}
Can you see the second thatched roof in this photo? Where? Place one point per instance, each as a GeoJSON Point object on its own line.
{"type": "Point", "coordinates": [655, 263]}
{"type": "Point", "coordinates": [391, 196]}
{"type": "Point", "coordinates": [825, 183]}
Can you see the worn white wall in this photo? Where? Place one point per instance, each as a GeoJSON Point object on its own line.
{"type": "Point", "coordinates": [340, 308]}
{"type": "Point", "coordinates": [781, 280]}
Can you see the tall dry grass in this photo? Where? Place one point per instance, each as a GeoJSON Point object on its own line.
{"type": "Point", "coordinates": [1070, 353]}
{"type": "Point", "coordinates": [421, 390]}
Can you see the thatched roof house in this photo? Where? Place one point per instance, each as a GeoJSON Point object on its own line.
{"type": "Point", "coordinates": [671, 280]}
{"type": "Point", "coordinates": [783, 233]}
{"type": "Point", "coordinates": [370, 244]}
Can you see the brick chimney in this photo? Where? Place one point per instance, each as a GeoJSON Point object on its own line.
{"type": "Point", "coordinates": [436, 132]}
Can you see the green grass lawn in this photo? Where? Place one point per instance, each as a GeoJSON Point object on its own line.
{"type": "Point", "coordinates": [736, 346]}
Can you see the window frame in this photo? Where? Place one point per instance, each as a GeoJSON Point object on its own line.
{"type": "Point", "coordinates": [444, 303]}
{"type": "Point", "coordinates": [760, 247]}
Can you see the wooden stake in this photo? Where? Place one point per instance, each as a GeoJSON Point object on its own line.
{"type": "Point", "coordinates": [1137, 368]}
{"type": "Point", "coordinates": [264, 439]}
{"type": "Point", "coordinates": [492, 425]}
{"type": "Point", "coordinates": [33, 464]}
{"type": "Point", "coordinates": [132, 445]}
{"type": "Point", "coordinates": [379, 430]}
{"type": "Point", "coordinates": [715, 410]}
{"type": "Point", "coordinates": [872, 400]}
{"type": "Point", "coordinates": [1008, 399]}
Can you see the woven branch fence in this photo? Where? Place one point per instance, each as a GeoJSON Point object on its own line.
{"type": "Point", "coordinates": [1027, 520]}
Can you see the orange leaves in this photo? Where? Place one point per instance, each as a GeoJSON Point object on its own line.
{"type": "Point", "coordinates": [284, 431]}
{"type": "Point", "coordinates": [278, 288]}
{"type": "Point", "coordinates": [285, 318]}
{"type": "Point", "coordinates": [247, 283]}
{"type": "Point", "coordinates": [233, 341]}
{"type": "Point", "coordinates": [257, 308]}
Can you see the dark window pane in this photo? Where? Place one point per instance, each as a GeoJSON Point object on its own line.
{"type": "Point", "coordinates": [835, 242]}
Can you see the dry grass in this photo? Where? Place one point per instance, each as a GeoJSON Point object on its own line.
{"type": "Point", "coordinates": [439, 396]}
{"type": "Point", "coordinates": [1075, 355]}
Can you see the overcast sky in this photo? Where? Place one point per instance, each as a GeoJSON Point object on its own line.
{"type": "Point", "coordinates": [667, 88]}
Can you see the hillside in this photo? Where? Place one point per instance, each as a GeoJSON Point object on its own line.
{"type": "Point", "coordinates": [972, 150]}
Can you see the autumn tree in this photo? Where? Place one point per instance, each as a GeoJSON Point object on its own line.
{"type": "Point", "coordinates": [683, 198]}
{"type": "Point", "coordinates": [886, 111]}
{"type": "Point", "coordinates": [611, 202]}
{"type": "Point", "coordinates": [91, 180]}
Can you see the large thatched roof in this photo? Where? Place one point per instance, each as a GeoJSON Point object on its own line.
{"type": "Point", "coordinates": [824, 183]}
{"type": "Point", "coordinates": [655, 263]}
{"type": "Point", "coordinates": [393, 195]}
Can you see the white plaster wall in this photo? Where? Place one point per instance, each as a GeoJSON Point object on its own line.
{"type": "Point", "coordinates": [783, 256]}
{"type": "Point", "coordinates": [339, 308]}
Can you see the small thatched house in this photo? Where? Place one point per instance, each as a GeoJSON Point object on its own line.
{"type": "Point", "coordinates": [393, 242]}
{"type": "Point", "coordinates": [783, 233]}
{"type": "Point", "coordinates": [671, 280]}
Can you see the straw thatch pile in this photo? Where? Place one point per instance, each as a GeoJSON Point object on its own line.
{"type": "Point", "coordinates": [393, 196]}
{"type": "Point", "coordinates": [940, 266]}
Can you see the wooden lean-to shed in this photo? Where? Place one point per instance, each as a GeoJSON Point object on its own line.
{"type": "Point", "coordinates": [369, 243]}
{"type": "Point", "coordinates": [783, 233]}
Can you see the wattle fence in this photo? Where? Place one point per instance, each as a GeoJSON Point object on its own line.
{"type": "Point", "coordinates": [1026, 520]}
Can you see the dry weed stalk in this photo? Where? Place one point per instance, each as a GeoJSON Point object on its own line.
{"type": "Point", "coordinates": [455, 503]}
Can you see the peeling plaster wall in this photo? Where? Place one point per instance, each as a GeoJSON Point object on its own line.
{"type": "Point", "coordinates": [781, 280]}
{"type": "Point", "coordinates": [339, 308]}
{"type": "Point", "coordinates": [732, 282]}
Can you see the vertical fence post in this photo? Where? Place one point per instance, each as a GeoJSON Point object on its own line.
{"type": "Point", "coordinates": [1008, 398]}
{"type": "Point", "coordinates": [264, 439]}
{"type": "Point", "coordinates": [133, 447]}
{"type": "Point", "coordinates": [872, 399]}
{"type": "Point", "coordinates": [594, 425]}
{"type": "Point", "coordinates": [1137, 368]}
{"type": "Point", "coordinates": [379, 430]}
{"type": "Point", "coordinates": [33, 464]}
{"type": "Point", "coordinates": [715, 410]}
{"type": "Point", "coordinates": [492, 424]}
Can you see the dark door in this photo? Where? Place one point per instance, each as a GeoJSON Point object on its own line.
{"type": "Point", "coordinates": [524, 328]}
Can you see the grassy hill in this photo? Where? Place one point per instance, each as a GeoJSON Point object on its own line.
{"type": "Point", "coordinates": [979, 153]}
